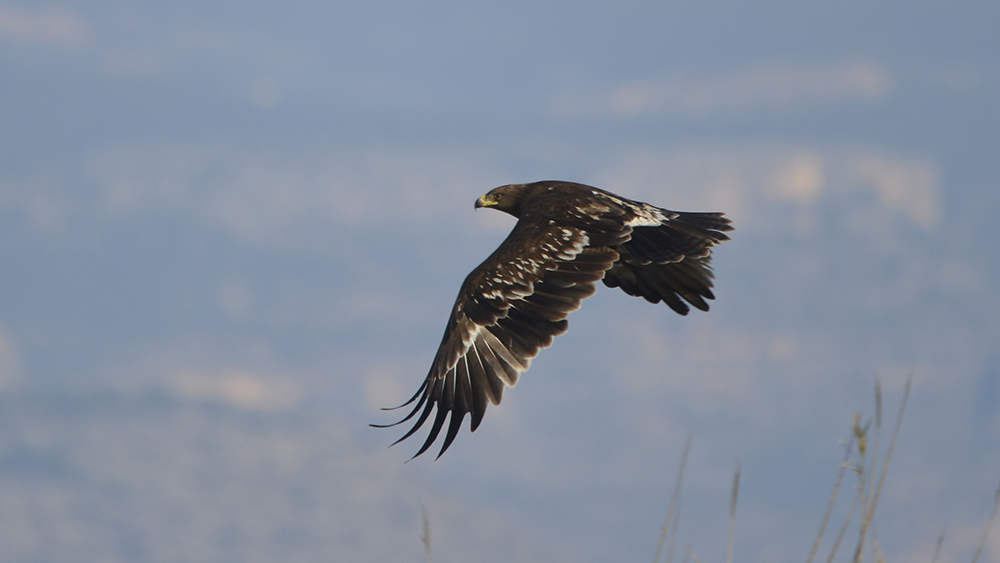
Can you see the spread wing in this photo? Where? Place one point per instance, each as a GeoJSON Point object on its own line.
{"type": "Point", "coordinates": [508, 309]}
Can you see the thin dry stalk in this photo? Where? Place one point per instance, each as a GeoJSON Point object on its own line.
{"type": "Point", "coordinates": [833, 501]}
{"type": "Point", "coordinates": [732, 514]}
{"type": "Point", "coordinates": [843, 529]}
{"type": "Point", "coordinates": [866, 470]}
{"type": "Point", "coordinates": [937, 548]}
{"type": "Point", "coordinates": [425, 535]}
{"type": "Point", "coordinates": [868, 482]}
{"type": "Point", "coordinates": [876, 448]}
{"type": "Point", "coordinates": [879, 556]}
{"type": "Point", "coordinates": [871, 503]}
{"type": "Point", "coordinates": [860, 500]}
{"type": "Point", "coordinates": [989, 524]}
{"type": "Point", "coordinates": [674, 498]}
{"type": "Point", "coordinates": [673, 532]}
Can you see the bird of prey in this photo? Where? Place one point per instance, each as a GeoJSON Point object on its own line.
{"type": "Point", "coordinates": [567, 237]}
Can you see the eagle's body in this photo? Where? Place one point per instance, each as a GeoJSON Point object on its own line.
{"type": "Point", "coordinates": [567, 237]}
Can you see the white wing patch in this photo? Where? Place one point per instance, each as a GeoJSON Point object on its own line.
{"type": "Point", "coordinates": [648, 216]}
{"type": "Point", "coordinates": [578, 239]}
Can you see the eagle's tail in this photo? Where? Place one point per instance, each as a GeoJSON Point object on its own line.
{"type": "Point", "coordinates": [671, 262]}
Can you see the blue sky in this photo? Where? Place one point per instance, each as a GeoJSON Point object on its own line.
{"type": "Point", "coordinates": [231, 232]}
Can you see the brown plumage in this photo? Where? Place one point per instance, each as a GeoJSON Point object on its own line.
{"type": "Point", "coordinates": [567, 237]}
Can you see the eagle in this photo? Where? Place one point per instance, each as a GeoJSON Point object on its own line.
{"type": "Point", "coordinates": [568, 236]}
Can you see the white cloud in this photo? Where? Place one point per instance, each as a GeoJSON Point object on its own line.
{"type": "Point", "coordinates": [43, 200]}
{"type": "Point", "coordinates": [236, 299]}
{"type": "Point", "coordinates": [384, 385]}
{"type": "Point", "coordinates": [237, 388]}
{"type": "Point", "coordinates": [51, 27]}
{"type": "Point", "coordinates": [751, 182]}
{"type": "Point", "coordinates": [911, 186]}
{"type": "Point", "coordinates": [145, 46]}
{"type": "Point", "coordinates": [133, 180]}
{"type": "Point", "coordinates": [135, 62]}
{"type": "Point", "coordinates": [800, 179]}
{"type": "Point", "coordinates": [266, 198]}
{"type": "Point", "coordinates": [179, 482]}
{"type": "Point", "coordinates": [758, 86]}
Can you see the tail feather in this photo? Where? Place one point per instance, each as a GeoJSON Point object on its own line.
{"type": "Point", "coordinates": [671, 262]}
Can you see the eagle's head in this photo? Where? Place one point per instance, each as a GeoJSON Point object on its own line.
{"type": "Point", "coordinates": [505, 198]}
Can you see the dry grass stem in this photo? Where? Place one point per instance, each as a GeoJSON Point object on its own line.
{"type": "Point", "coordinates": [732, 514]}
{"type": "Point", "coordinates": [843, 529]}
{"type": "Point", "coordinates": [673, 532]}
{"type": "Point", "coordinates": [425, 534]}
{"type": "Point", "coordinates": [879, 556]}
{"type": "Point", "coordinates": [989, 524]}
{"type": "Point", "coordinates": [937, 548]}
{"type": "Point", "coordinates": [833, 500]}
{"type": "Point", "coordinates": [871, 498]}
{"type": "Point", "coordinates": [672, 510]}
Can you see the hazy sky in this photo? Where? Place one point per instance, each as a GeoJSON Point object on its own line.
{"type": "Point", "coordinates": [230, 232]}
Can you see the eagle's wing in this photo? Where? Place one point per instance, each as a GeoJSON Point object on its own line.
{"type": "Point", "coordinates": [508, 308]}
{"type": "Point", "coordinates": [670, 260]}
